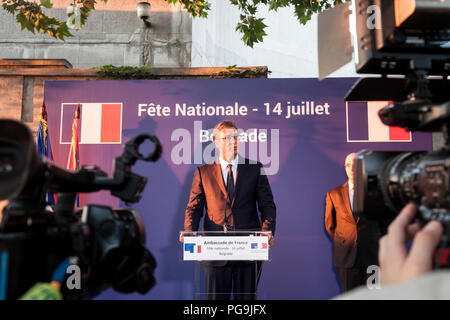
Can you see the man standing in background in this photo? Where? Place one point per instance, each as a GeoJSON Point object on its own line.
{"type": "Point", "coordinates": [355, 238]}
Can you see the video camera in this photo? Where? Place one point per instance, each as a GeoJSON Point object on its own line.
{"type": "Point", "coordinates": [107, 245]}
{"type": "Point", "coordinates": [410, 38]}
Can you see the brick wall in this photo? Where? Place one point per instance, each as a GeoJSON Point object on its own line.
{"type": "Point", "coordinates": [22, 83]}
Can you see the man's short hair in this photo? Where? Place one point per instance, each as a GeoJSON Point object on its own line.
{"type": "Point", "coordinates": [221, 125]}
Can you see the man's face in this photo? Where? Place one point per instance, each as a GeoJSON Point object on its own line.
{"type": "Point", "coordinates": [349, 166]}
{"type": "Point", "coordinates": [227, 142]}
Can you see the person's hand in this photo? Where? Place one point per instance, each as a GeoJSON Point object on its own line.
{"type": "Point", "coordinates": [186, 234]}
{"type": "Point", "coordinates": [396, 264]}
{"type": "Point", "coordinates": [271, 239]}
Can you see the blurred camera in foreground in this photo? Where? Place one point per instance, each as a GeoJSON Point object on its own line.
{"type": "Point", "coordinates": [406, 42]}
{"type": "Point", "coordinates": [107, 245]}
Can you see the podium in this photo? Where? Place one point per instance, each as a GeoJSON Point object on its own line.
{"type": "Point", "coordinates": [225, 248]}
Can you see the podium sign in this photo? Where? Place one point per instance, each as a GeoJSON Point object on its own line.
{"type": "Point", "coordinates": [248, 246]}
{"type": "Point", "coordinates": [206, 248]}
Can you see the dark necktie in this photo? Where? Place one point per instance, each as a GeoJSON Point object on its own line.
{"type": "Point", "coordinates": [230, 184]}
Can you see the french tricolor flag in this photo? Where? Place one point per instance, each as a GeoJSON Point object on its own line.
{"type": "Point", "coordinates": [100, 123]}
{"type": "Point", "coordinates": [364, 124]}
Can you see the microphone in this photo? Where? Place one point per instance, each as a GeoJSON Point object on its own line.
{"type": "Point", "coordinates": [225, 219]}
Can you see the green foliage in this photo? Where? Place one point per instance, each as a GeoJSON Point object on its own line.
{"type": "Point", "coordinates": [196, 8]}
{"type": "Point", "coordinates": [253, 29]}
{"type": "Point", "coordinates": [239, 72]}
{"type": "Point", "coordinates": [31, 16]}
{"type": "Point", "coordinates": [144, 73]}
{"type": "Point", "coordinates": [125, 73]}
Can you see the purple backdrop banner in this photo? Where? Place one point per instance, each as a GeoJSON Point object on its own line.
{"type": "Point", "coordinates": [300, 129]}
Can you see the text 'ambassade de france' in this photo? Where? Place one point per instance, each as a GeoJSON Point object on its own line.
{"type": "Point", "coordinates": [308, 108]}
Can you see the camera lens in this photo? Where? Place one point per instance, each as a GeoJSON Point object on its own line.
{"type": "Point", "coordinates": [7, 164]}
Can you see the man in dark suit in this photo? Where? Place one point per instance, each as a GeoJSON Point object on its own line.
{"type": "Point", "coordinates": [230, 189]}
{"type": "Point", "coordinates": [355, 238]}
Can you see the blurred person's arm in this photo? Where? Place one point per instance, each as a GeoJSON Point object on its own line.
{"type": "Point", "coordinates": [407, 274]}
{"type": "Point", "coordinates": [3, 203]}
{"type": "Point", "coordinates": [397, 265]}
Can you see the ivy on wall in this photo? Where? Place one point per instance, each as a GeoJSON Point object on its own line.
{"type": "Point", "coordinates": [241, 72]}
{"type": "Point", "coordinates": [145, 73]}
{"type": "Point", "coordinates": [125, 73]}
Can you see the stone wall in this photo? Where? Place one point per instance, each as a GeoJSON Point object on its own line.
{"type": "Point", "coordinates": [22, 83]}
{"type": "Point", "coordinates": [113, 35]}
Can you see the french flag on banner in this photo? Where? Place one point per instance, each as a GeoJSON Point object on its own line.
{"type": "Point", "coordinates": [100, 123]}
{"type": "Point", "coordinates": [364, 124]}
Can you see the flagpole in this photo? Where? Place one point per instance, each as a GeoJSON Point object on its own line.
{"type": "Point", "coordinates": [43, 145]}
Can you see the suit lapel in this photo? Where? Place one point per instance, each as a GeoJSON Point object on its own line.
{"type": "Point", "coordinates": [345, 196]}
{"type": "Point", "coordinates": [344, 193]}
{"type": "Point", "coordinates": [239, 172]}
{"type": "Point", "coordinates": [220, 179]}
